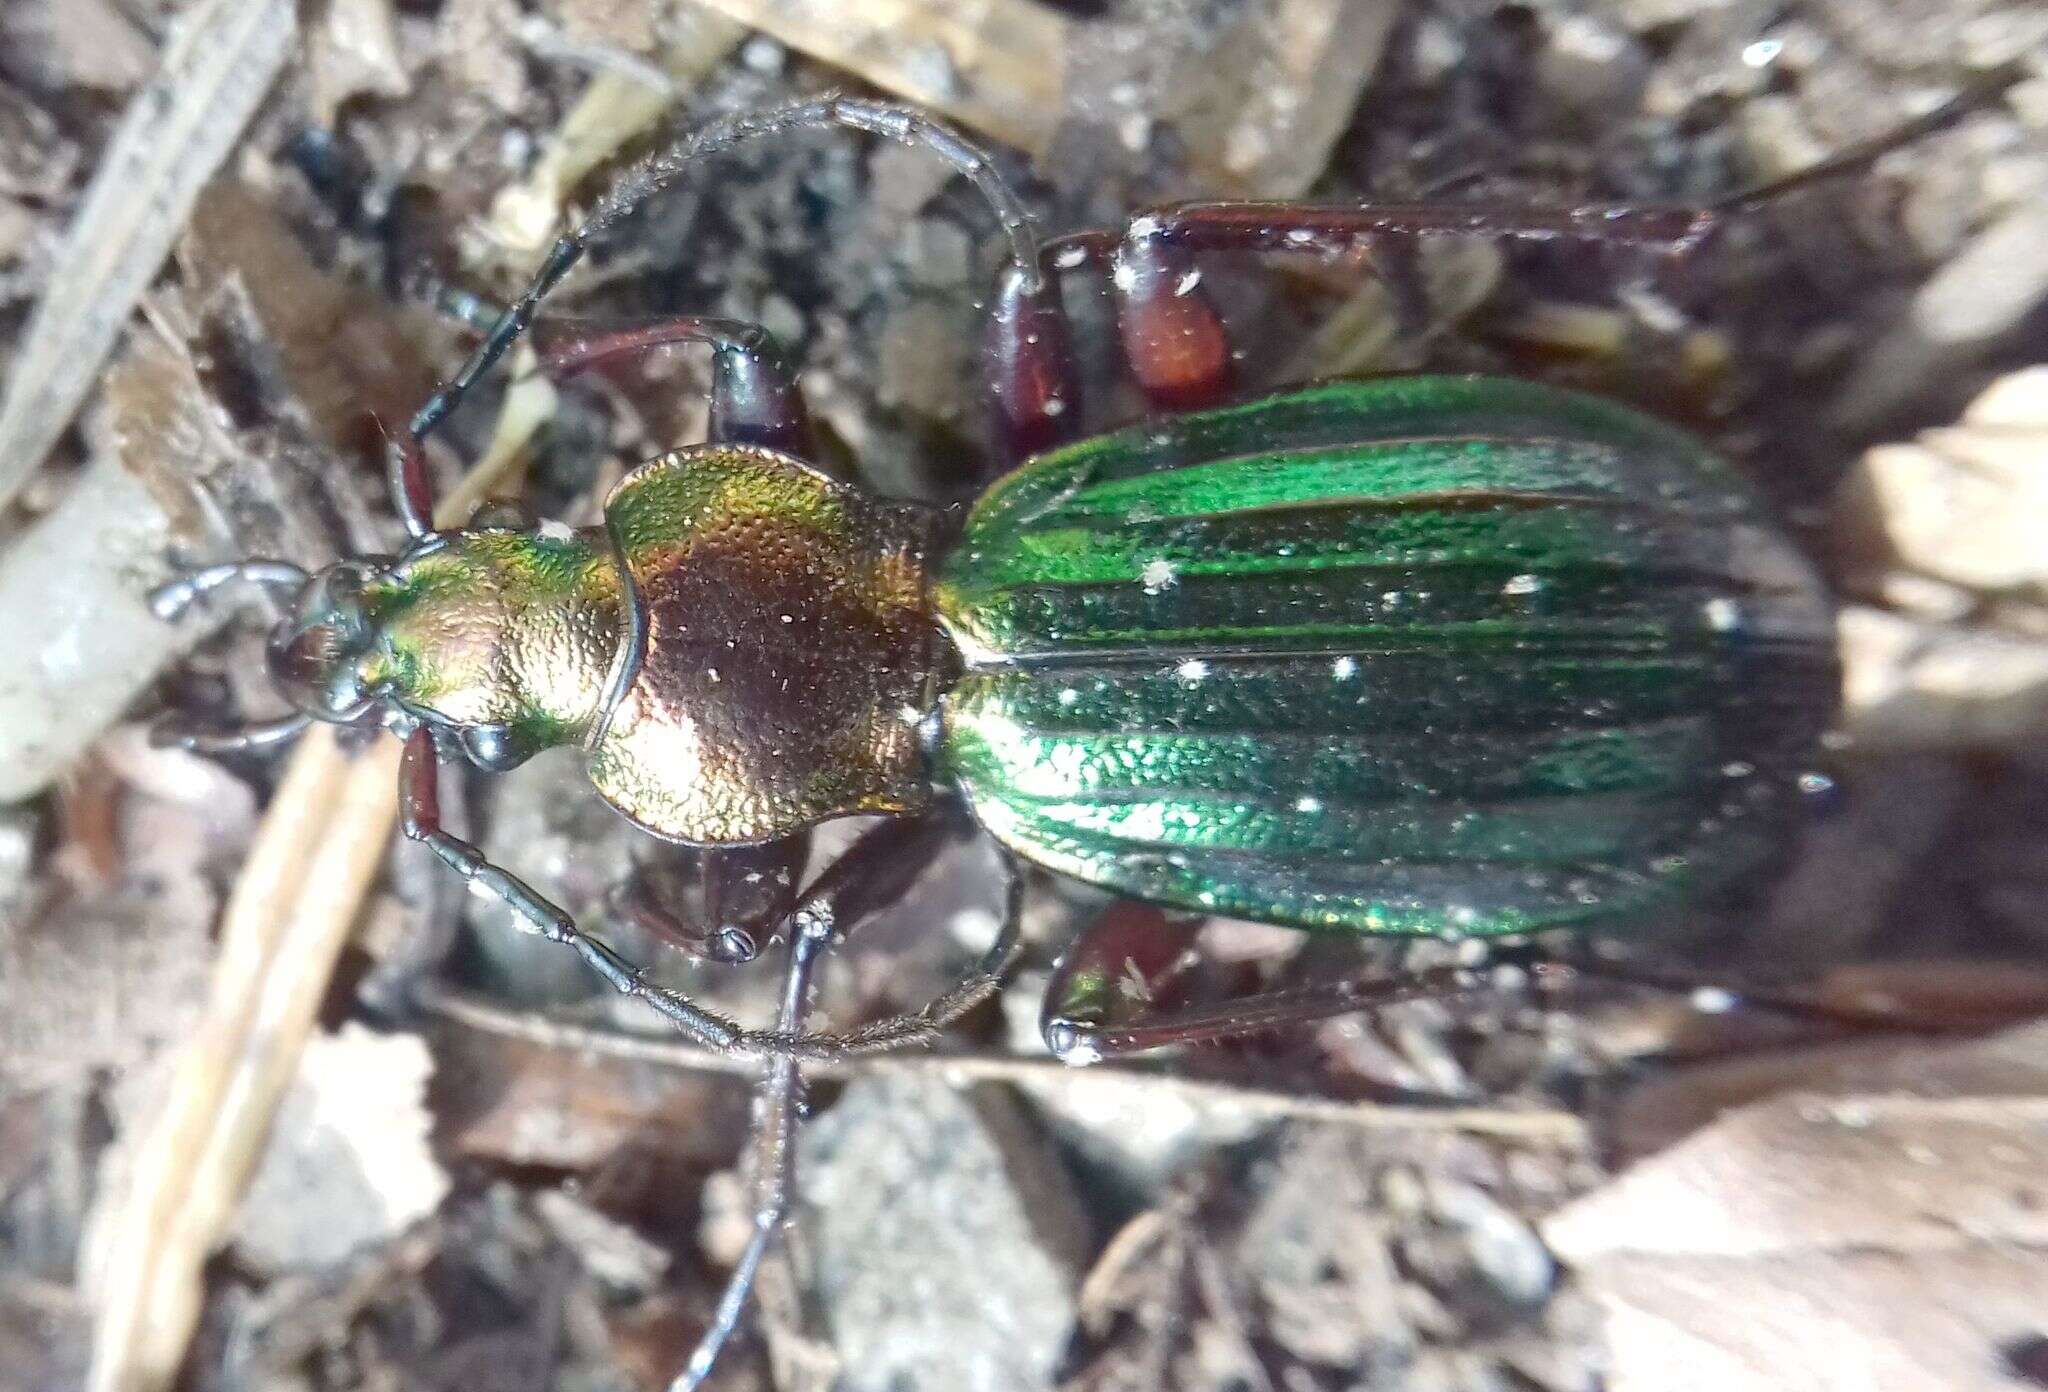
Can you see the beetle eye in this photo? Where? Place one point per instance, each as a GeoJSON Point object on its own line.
{"type": "Point", "coordinates": [495, 748]}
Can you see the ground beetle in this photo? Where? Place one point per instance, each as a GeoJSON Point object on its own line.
{"type": "Point", "coordinates": [1440, 656]}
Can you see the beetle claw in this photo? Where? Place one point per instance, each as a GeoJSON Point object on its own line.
{"type": "Point", "coordinates": [734, 945]}
{"type": "Point", "coordinates": [1073, 1043]}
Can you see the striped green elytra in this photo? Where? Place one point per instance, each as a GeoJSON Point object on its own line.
{"type": "Point", "coordinates": [1436, 655]}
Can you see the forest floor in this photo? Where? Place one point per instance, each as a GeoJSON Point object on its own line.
{"type": "Point", "coordinates": [282, 1108]}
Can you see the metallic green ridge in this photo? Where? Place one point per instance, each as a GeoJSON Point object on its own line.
{"type": "Point", "coordinates": [1438, 655]}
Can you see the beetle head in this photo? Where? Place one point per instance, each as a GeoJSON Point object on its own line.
{"type": "Point", "coordinates": [320, 655]}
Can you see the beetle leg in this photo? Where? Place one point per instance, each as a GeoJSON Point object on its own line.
{"type": "Point", "coordinates": [1105, 994]}
{"type": "Point", "coordinates": [874, 873]}
{"type": "Point", "coordinates": [1103, 997]}
{"type": "Point", "coordinates": [754, 398]}
{"type": "Point", "coordinates": [419, 802]}
{"type": "Point", "coordinates": [1174, 339]}
{"type": "Point", "coordinates": [870, 876]}
{"type": "Point", "coordinates": [658, 170]}
{"type": "Point", "coordinates": [734, 897]}
{"type": "Point", "coordinates": [774, 1158]}
{"type": "Point", "coordinates": [1177, 347]}
{"type": "Point", "coordinates": [1034, 383]}
{"type": "Point", "coordinates": [176, 731]}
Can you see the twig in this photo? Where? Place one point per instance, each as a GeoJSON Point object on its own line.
{"type": "Point", "coordinates": [313, 861]}
{"type": "Point", "coordinates": [1543, 1126]}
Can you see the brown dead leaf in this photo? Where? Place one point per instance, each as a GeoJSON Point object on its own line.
{"type": "Point", "coordinates": [1881, 1222]}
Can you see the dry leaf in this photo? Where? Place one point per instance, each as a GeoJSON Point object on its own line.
{"type": "Point", "coordinates": [1881, 1226]}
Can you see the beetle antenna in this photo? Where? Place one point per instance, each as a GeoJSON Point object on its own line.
{"type": "Point", "coordinates": [1861, 156]}
{"type": "Point", "coordinates": [657, 171]}
{"type": "Point", "coordinates": [172, 731]}
{"type": "Point", "coordinates": [903, 124]}
{"type": "Point", "coordinates": [167, 601]}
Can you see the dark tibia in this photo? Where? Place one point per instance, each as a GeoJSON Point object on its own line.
{"type": "Point", "coordinates": [1115, 990]}
{"type": "Point", "coordinates": [754, 398]}
{"type": "Point", "coordinates": [1112, 992]}
{"type": "Point", "coordinates": [174, 731]}
{"type": "Point", "coordinates": [1178, 351]}
{"type": "Point", "coordinates": [873, 873]}
{"type": "Point", "coordinates": [419, 811]}
{"type": "Point", "coordinates": [718, 904]}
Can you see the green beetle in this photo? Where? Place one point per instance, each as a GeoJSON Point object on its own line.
{"type": "Point", "coordinates": [1441, 656]}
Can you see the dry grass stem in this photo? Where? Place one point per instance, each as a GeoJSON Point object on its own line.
{"type": "Point", "coordinates": [320, 846]}
{"type": "Point", "coordinates": [1538, 1126]}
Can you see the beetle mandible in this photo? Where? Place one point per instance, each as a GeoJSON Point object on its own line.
{"type": "Point", "coordinates": [1440, 656]}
